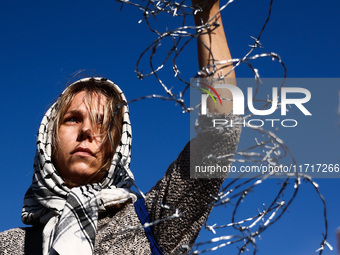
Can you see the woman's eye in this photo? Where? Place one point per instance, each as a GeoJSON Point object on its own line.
{"type": "Point", "coordinates": [71, 119]}
{"type": "Point", "coordinates": [99, 124]}
{"type": "Point", "coordinates": [99, 121]}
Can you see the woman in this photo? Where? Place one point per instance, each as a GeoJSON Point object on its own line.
{"type": "Point", "coordinates": [80, 200]}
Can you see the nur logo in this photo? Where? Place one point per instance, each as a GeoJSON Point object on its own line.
{"type": "Point", "coordinates": [238, 99]}
{"type": "Point", "coordinates": [204, 97]}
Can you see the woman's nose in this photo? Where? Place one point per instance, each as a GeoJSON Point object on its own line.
{"type": "Point", "coordinates": [86, 131]}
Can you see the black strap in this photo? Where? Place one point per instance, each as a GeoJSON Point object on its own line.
{"type": "Point", "coordinates": [143, 216]}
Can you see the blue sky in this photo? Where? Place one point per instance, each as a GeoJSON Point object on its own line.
{"type": "Point", "coordinates": [43, 43]}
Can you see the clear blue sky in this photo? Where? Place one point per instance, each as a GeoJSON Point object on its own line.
{"type": "Point", "coordinates": [44, 42]}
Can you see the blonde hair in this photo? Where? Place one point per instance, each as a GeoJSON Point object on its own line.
{"type": "Point", "coordinates": [112, 122]}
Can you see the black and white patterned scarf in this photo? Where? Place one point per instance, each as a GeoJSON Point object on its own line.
{"type": "Point", "coordinates": [70, 215]}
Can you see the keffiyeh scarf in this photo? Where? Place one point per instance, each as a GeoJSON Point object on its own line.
{"type": "Point", "coordinates": [70, 215]}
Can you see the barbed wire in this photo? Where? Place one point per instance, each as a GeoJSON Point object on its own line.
{"type": "Point", "coordinates": [267, 148]}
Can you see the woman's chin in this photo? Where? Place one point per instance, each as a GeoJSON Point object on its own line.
{"type": "Point", "coordinates": [79, 175]}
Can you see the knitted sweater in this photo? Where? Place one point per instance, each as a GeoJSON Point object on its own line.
{"type": "Point", "coordinates": [192, 197]}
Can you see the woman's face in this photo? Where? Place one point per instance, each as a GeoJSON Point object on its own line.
{"type": "Point", "coordinates": [80, 152]}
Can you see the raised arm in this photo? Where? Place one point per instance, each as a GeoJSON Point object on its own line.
{"type": "Point", "coordinates": [212, 47]}
{"type": "Point", "coordinates": [194, 197]}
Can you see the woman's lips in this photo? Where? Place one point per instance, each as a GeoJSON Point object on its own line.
{"type": "Point", "coordinates": [83, 152]}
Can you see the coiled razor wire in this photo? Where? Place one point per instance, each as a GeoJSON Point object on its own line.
{"type": "Point", "coordinates": [267, 149]}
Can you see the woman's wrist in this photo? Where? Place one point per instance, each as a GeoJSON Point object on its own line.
{"type": "Point", "coordinates": [208, 10]}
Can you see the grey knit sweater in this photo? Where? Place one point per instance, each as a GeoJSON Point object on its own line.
{"type": "Point", "coordinates": [193, 198]}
